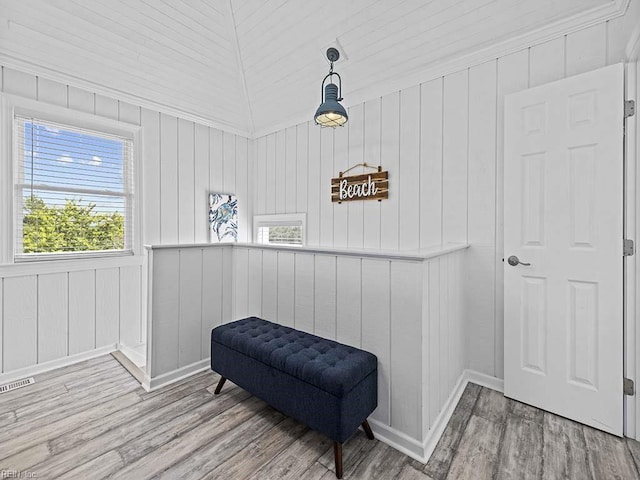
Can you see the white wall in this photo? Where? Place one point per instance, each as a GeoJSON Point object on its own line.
{"type": "Point", "coordinates": [54, 310]}
{"type": "Point", "coordinates": [191, 292]}
{"type": "Point", "coordinates": [442, 142]}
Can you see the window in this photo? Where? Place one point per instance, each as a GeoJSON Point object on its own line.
{"type": "Point", "coordinates": [286, 229]}
{"type": "Point", "coordinates": [73, 190]}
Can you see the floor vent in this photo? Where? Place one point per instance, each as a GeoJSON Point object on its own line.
{"type": "Point", "coordinates": [17, 384]}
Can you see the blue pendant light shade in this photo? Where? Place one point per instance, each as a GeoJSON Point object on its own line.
{"type": "Point", "coordinates": [330, 113]}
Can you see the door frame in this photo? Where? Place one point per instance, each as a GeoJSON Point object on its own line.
{"type": "Point", "coordinates": [631, 267]}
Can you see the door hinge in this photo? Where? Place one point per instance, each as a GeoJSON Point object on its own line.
{"type": "Point", "coordinates": [629, 108]}
{"type": "Point", "coordinates": [628, 248]}
{"type": "Point", "coordinates": [628, 387]}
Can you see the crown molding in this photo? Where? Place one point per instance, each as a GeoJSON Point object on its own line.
{"type": "Point", "coordinates": [99, 88]}
{"type": "Point", "coordinates": [471, 57]}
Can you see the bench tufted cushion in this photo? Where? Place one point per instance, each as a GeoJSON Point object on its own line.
{"type": "Point", "coordinates": [328, 365]}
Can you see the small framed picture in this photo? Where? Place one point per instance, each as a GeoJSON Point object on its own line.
{"type": "Point", "coordinates": [223, 218]}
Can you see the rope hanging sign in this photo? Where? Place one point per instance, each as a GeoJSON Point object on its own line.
{"type": "Point", "coordinates": [366, 186]}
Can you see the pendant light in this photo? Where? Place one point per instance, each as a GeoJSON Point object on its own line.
{"type": "Point", "coordinates": [330, 113]}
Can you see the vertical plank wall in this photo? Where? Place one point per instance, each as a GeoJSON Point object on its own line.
{"type": "Point", "coordinates": [191, 293]}
{"type": "Point", "coordinates": [442, 144]}
{"type": "Point", "coordinates": [51, 314]}
{"type": "Point", "coordinates": [404, 310]}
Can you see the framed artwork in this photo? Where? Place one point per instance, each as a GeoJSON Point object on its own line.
{"type": "Point", "coordinates": [223, 218]}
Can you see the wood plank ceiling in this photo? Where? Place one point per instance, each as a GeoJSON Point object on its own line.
{"type": "Point", "coordinates": [250, 66]}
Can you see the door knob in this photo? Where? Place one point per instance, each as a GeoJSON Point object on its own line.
{"type": "Point", "coordinates": [513, 261]}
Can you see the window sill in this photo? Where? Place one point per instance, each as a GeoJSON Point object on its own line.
{"type": "Point", "coordinates": [41, 267]}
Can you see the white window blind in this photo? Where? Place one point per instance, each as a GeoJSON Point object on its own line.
{"type": "Point", "coordinates": [73, 191]}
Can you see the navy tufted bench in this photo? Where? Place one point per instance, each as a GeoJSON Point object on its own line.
{"type": "Point", "coordinates": [329, 386]}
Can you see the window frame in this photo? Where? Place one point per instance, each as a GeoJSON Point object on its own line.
{"type": "Point", "coordinates": [280, 220]}
{"type": "Point", "coordinates": [9, 170]}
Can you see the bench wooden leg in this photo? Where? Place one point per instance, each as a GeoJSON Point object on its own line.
{"type": "Point", "coordinates": [367, 430]}
{"type": "Point", "coordinates": [220, 384]}
{"type": "Point", "coordinates": [337, 453]}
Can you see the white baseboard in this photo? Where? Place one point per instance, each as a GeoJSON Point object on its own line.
{"type": "Point", "coordinates": [398, 440]}
{"type": "Point", "coordinates": [53, 364]}
{"type": "Point", "coordinates": [151, 384]}
{"type": "Point", "coordinates": [484, 380]}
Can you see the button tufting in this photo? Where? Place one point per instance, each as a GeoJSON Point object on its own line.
{"type": "Point", "coordinates": [331, 366]}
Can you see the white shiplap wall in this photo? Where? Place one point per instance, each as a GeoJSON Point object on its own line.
{"type": "Point", "coordinates": [442, 144]}
{"type": "Point", "coordinates": [68, 310]}
{"type": "Point", "coordinates": [52, 313]}
{"type": "Point", "coordinates": [407, 311]}
{"type": "Point", "coordinates": [191, 292]}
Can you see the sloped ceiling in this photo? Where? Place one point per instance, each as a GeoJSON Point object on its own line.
{"type": "Point", "coordinates": [251, 66]}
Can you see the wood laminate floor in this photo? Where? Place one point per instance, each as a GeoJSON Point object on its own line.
{"type": "Point", "coordinates": [92, 421]}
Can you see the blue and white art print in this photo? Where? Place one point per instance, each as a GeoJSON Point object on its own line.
{"type": "Point", "coordinates": [223, 218]}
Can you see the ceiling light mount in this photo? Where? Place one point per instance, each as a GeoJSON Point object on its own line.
{"type": "Point", "coordinates": [330, 113]}
{"type": "Point", "coordinates": [333, 55]}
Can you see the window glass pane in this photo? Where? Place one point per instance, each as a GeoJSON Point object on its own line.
{"type": "Point", "coordinates": [280, 235]}
{"type": "Point", "coordinates": [74, 189]}
{"type": "Point", "coordinates": [290, 235]}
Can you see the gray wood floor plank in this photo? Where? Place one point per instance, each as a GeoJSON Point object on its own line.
{"type": "Point", "coordinates": [183, 421]}
{"type": "Point", "coordinates": [634, 449]}
{"type": "Point", "coordinates": [608, 455]}
{"type": "Point", "coordinates": [260, 451]}
{"type": "Point", "coordinates": [525, 411]}
{"type": "Point", "coordinates": [492, 405]}
{"type": "Point", "coordinates": [54, 386]}
{"type": "Point", "coordinates": [521, 450]}
{"type": "Point", "coordinates": [103, 466]}
{"type": "Point", "coordinates": [319, 472]}
{"type": "Point", "coordinates": [477, 452]}
{"type": "Point", "coordinates": [564, 454]}
{"type": "Point", "coordinates": [103, 427]}
{"type": "Point", "coordinates": [409, 472]}
{"type": "Point", "coordinates": [381, 463]}
{"type": "Point", "coordinates": [441, 459]}
{"type": "Point", "coordinates": [210, 456]}
{"type": "Point", "coordinates": [293, 462]}
{"type": "Point", "coordinates": [31, 394]}
{"type": "Point", "coordinates": [74, 400]}
{"type": "Point", "coordinates": [7, 419]}
{"type": "Point", "coordinates": [98, 377]}
{"type": "Point", "coordinates": [353, 451]}
{"type": "Point", "coordinates": [83, 367]}
{"type": "Point", "coordinates": [66, 451]}
{"type": "Point", "coordinates": [158, 459]}
{"type": "Point", "coordinates": [13, 444]}
{"type": "Point", "coordinates": [24, 460]}
{"type": "Point", "coordinates": [139, 417]}
{"type": "Point", "coordinates": [69, 411]}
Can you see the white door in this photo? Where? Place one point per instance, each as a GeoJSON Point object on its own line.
{"type": "Point", "coordinates": [563, 201]}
